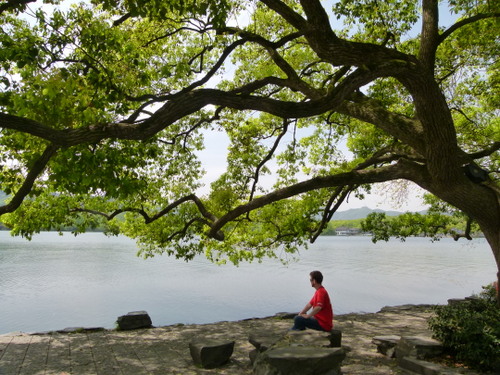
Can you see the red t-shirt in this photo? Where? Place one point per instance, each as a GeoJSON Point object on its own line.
{"type": "Point", "coordinates": [325, 315]}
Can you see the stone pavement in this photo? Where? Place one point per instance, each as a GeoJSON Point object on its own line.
{"type": "Point", "coordinates": [165, 350]}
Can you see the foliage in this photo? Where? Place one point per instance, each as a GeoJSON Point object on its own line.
{"type": "Point", "coordinates": [409, 224]}
{"type": "Point", "coordinates": [106, 108]}
{"type": "Point", "coordinates": [470, 330]}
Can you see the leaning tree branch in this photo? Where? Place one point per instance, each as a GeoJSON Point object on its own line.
{"type": "Point", "coordinates": [36, 169]}
{"type": "Point", "coordinates": [185, 105]}
{"type": "Point", "coordinates": [192, 197]}
{"type": "Point", "coordinates": [385, 155]}
{"type": "Point", "coordinates": [253, 86]}
{"type": "Point", "coordinates": [14, 4]}
{"type": "Point", "coordinates": [183, 231]}
{"type": "Point", "coordinates": [161, 98]}
{"type": "Point", "coordinates": [465, 22]}
{"type": "Point", "coordinates": [268, 157]}
{"type": "Point", "coordinates": [112, 215]}
{"type": "Point", "coordinates": [401, 170]}
{"type": "Point", "coordinates": [318, 18]}
{"type": "Point", "coordinates": [208, 217]}
{"type": "Point", "coordinates": [494, 147]}
{"type": "Point", "coordinates": [429, 39]}
{"type": "Point", "coordinates": [467, 232]}
{"type": "Point", "coordinates": [122, 19]}
{"type": "Point", "coordinates": [338, 197]}
{"type": "Point", "coordinates": [272, 49]}
{"type": "Point", "coordinates": [292, 17]}
{"type": "Point", "coordinates": [408, 130]}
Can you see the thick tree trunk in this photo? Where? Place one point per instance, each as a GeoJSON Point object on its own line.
{"type": "Point", "coordinates": [492, 234]}
{"type": "Point", "coordinates": [483, 205]}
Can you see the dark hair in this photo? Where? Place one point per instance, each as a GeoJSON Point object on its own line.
{"type": "Point", "coordinates": [318, 276]}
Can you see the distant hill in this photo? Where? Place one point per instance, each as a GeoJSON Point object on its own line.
{"type": "Point", "coordinates": [360, 213]}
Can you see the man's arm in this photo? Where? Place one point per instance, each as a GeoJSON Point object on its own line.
{"type": "Point", "coordinates": [305, 309]}
{"type": "Point", "coordinates": [314, 311]}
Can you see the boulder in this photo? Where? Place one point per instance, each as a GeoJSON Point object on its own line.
{"type": "Point", "coordinates": [299, 360]}
{"type": "Point", "coordinates": [418, 347]}
{"type": "Point", "coordinates": [211, 353]}
{"type": "Point", "coordinates": [386, 345]}
{"type": "Point", "coordinates": [134, 320]}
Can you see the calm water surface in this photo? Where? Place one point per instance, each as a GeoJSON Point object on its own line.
{"type": "Point", "coordinates": [56, 281]}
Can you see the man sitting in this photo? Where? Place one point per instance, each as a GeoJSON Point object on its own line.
{"type": "Point", "coordinates": [321, 316]}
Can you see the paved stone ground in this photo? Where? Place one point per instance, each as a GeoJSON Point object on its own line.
{"type": "Point", "coordinates": [165, 350]}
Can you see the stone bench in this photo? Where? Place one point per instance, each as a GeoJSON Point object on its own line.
{"type": "Point", "coordinates": [411, 352]}
{"type": "Point", "coordinates": [299, 360]}
{"type": "Point", "coordinates": [418, 347]}
{"type": "Point", "coordinates": [408, 346]}
{"type": "Point", "coordinates": [386, 345]}
{"type": "Point", "coordinates": [297, 352]}
{"type": "Point", "coordinates": [211, 353]}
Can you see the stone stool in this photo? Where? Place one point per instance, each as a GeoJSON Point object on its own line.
{"type": "Point", "coordinates": [134, 320]}
{"type": "Point", "coordinates": [335, 338]}
{"type": "Point", "coordinates": [211, 353]}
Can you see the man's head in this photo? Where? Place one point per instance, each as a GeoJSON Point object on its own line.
{"type": "Point", "coordinates": [316, 277]}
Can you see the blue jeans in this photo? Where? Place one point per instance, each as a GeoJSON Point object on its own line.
{"type": "Point", "coordinates": [300, 323]}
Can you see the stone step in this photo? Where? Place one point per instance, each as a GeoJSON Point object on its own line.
{"type": "Point", "coordinates": [420, 367]}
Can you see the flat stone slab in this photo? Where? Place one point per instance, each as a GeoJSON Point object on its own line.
{"type": "Point", "coordinates": [309, 338]}
{"type": "Point", "coordinates": [386, 345]}
{"type": "Point", "coordinates": [299, 360]}
{"type": "Point", "coordinates": [418, 366]}
{"type": "Point", "coordinates": [263, 340]}
{"type": "Point", "coordinates": [211, 353]}
{"type": "Point", "coordinates": [418, 347]}
{"type": "Point", "coordinates": [80, 329]}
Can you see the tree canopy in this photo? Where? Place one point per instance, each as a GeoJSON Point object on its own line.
{"type": "Point", "coordinates": [104, 107]}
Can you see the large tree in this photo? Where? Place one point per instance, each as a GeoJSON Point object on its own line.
{"type": "Point", "coordinates": [104, 108]}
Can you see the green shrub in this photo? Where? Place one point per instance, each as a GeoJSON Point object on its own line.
{"type": "Point", "coordinates": [470, 330]}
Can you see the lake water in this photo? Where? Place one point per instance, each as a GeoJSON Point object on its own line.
{"type": "Point", "coordinates": [55, 282]}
